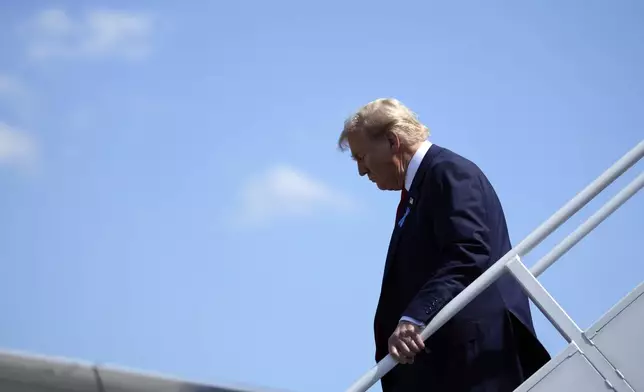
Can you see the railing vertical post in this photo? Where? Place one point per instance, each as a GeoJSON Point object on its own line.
{"type": "Point", "coordinates": [565, 325]}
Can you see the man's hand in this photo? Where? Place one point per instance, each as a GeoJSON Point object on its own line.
{"type": "Point", "coordinates": [406, 342]}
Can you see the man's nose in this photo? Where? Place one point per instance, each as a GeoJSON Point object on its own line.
{"type": "Point", "coordinates": [362, 170]}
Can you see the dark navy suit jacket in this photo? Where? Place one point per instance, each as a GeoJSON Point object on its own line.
{"type": "Point", "coordinates": [453, 231]}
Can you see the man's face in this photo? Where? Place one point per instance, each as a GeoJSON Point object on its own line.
{"type": "Point", "coordinates": [379, 159]}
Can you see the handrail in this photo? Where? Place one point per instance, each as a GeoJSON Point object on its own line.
{"type": "Point", "coordinates": [524, 247]}
{"type": "Point", "coordinates": [589, 225]}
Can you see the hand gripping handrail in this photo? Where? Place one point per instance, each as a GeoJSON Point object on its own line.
{"type": "Point", "coordinates": [524, 247]}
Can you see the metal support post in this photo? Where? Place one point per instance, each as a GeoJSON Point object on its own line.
{"type": "Point", "coordinates": [565, 325]}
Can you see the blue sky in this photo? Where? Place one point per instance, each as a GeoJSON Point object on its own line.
{"type": "Point", "coordinates": [172, 199]}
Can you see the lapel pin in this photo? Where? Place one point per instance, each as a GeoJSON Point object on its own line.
{"type": "Point", "coordinates": [411, 200]}
{"type": "Point", "coordinates": [402, 220]}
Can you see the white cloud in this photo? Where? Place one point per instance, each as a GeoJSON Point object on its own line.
{"type": "Point", "coordinates": [283, 191]}
{"type": "Point", "coordinates": [17, 148]}
{"type": "Point", "coordinates": [98, 33]}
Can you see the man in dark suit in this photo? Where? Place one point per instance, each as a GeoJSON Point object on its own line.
{"type": "Point", "coordinates": [449, 230]}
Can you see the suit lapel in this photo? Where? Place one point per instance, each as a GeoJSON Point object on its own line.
{"type": "Point", "coordinates": [396, 234]}
{"type": "Point", "coordinates": [409, 206]}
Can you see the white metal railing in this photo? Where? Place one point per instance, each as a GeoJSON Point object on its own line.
{"type": "Point", "coordinates": [511, 262]}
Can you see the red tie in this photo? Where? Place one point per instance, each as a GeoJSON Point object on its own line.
{"type": "Point", "coordinates": [401, 205]}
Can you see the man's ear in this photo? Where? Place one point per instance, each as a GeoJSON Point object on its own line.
{"type": "Point", "coordinates": [394, 142]}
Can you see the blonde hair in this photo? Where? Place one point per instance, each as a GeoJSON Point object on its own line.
{"type": "Point", "coordinates": [384, 115]}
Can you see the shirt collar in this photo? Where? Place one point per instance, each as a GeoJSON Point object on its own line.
{"type": "Point", "coordinates": [414, 164]}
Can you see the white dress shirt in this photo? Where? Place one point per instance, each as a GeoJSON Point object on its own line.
{"type": "Point", "coordinates": [415, 162]}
